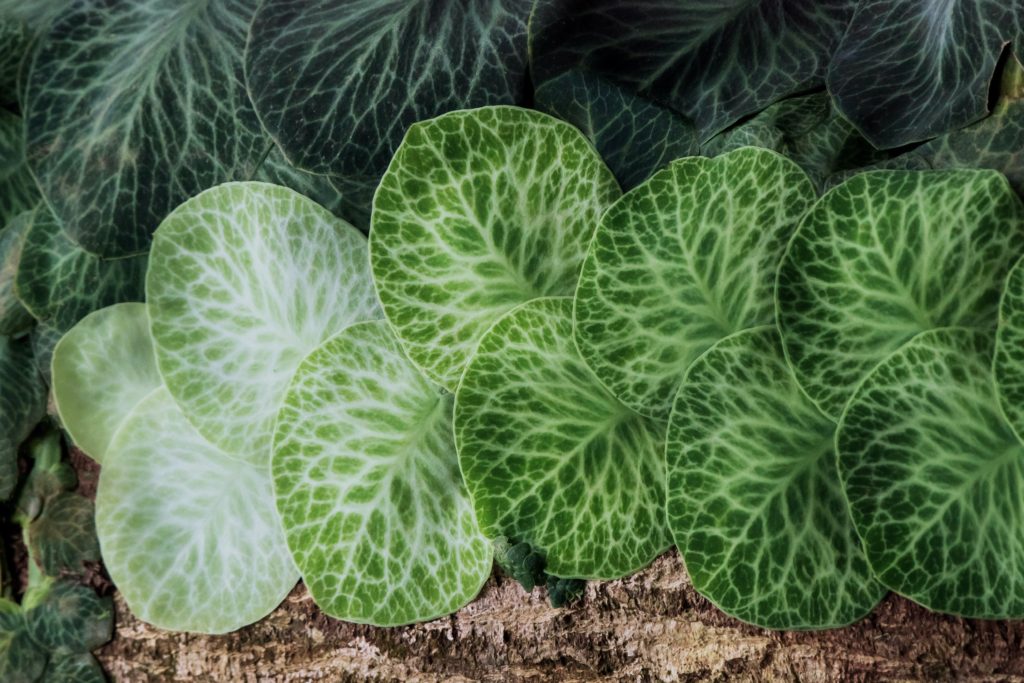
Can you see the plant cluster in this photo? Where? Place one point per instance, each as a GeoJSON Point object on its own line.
{"type": "Point", "coordinates": [792, 347]}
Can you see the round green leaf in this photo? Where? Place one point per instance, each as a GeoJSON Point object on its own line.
{"type": "Point", "coordinates": [715, 62]}
{"type": "Point", "coordinates": [754, 500]}
{"type": "Point", "coordinates": [189, 534]}
{"type": "Point", "coordinates": [686, 259]}
{"type": "Point", "coordinates": [67, 668]}
{"type": "Point", "coordinates": [14, 317]}
{"type": "Point", "coordinates": [337, 84]}
{"type": "Point", "coordinates": [133, 108]}
{"type": "Point", "coordinates": [63, 536]}
{"type": "Point", "coordinates": [61, 283]}
{"type": "Point", "coordinates": [480, 211]}
{"type": "Point", "coordinates": [102, 368]}
{"type": "Point", "coordinates": [884, 256]}
{"type": "Point", "coordinates": [551, 458]}
{"type": "Point", "coordinates": [64, 616]}
{"type": "Point", "coordinates": [908, 71]}
{"type": "Point", "coordinates": [933, 475]}
{"type": "Point", "coordinates": [368, 485]}
{"type": "Point", "coordinates": [245, 279]}
{"type": "Point", "coordinates": [21, 659]}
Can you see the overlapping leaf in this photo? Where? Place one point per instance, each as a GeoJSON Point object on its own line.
{"type": "Point", "coordinates": [480, 211]}
{"type": "Point", "coordinates": [714, 62]}
{"type": "Point", "coordinates": [908, 71]}
{"type": "Point", "coordinates": [133, 108]}
{"type": "Point", "coordinates": [188, 533]}
{"type": "Point", "coordinates": [884, 256]}
{"type": "Point", "coordinates": [102, 368]}
{"type": "Point", "coordinates": [337, 84]}
{"type": "Point", "coordinates": [682, 261]}
{"type": "Point", "coordinates": [14, 317]}
{"type": "Point", "coordinates": [245, 279]}
{"type": "Point", "coordinates": [933, 475]}
{"type": "Point", "coordinates": [18, 190]}
{"type": "Point", "coordinates": [754, 499]}
{"type": "Point", "coordinates": [550, 457]}
{"type": "Point", "coordinates": [368, 485]}
{"type": "Point", "coordinates": [22, 404]}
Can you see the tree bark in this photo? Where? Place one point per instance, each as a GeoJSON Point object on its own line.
{"type": "Point", "coordinates": [649, 627]}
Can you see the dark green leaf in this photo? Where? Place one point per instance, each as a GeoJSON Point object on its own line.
{"type": "Point", "coordinates": [61, 283]}
{"type": "Point", "coordinates": [634, 136]}
{"type": "Point", "coordinates": [337, 84]}
{"type": "Point", "coordinates": [44, 338]}
{"type": "Point", "coordinates": [21, 659]}
{"type": "Point", "coordinates": [908, 71]}
{"type": "Point", "coordinates": [80, 668]}
{"type": "Point", "coordinates": [22, 405]}
{"type": "Point", "coordinates": [18, 191]}
{"type": "Point", "coordinates": [133, 107]}
{"type": "Point", "coordinates": [715, 62]}
{"type": "Point", "coordinates": [67, 617]}
{"type": "Point", "coordinates": [14, 318]}
{"type": "Point", "coordinates": [63, 537]}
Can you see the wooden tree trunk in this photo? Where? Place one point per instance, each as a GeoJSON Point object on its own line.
{"type": "Point", "coordinates": [649, 627]}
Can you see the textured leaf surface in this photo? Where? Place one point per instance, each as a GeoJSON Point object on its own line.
{"type": "Point", "coordinates": [686, 259]}
{"type": "Point", "coordinates": [908, 71]}
{"type": "Point", "coordinates": [64, 616]}
{"type": "Point", "coordinates": [713, 61]}
{"type": "Point", "coordinates": [551, 458]}
{"type": "Point", "coordinates": [276, 170]}
{"type": "Point", "coordinates": [754, 499]}
{"type": "Point", "coordinates": [245, 280]}
{"type": "Point", "coordinates": [80, 668]}
{"type": "Point", "coordinates": [61, 283]}
{"type": "Point", "coordinates": [102, 368]}
{"type": "Point", "coordinates": [44, 338]}
{"type": "Point", "coordinates": [368, 485]}
{"type": "Point", "coordinates": [21, 659]}
{"type": "Point", "coordinates": [14, 317]}
{"type": "Point", "coordinates": [1008, 364]}
{"type": "Point", "coordinates": [135, 107]}
{"type": "Point", "coordinates": [63, 536]}
{"type": "Point", "coordinates": [481, 211]}
{"type": "Point", "coordinates": [337, 84]}
{"type": "Point", "coordinates": [188, 534]}
{"type": "Point", "coordinates": [18, 190]}
{"type": "Point", "coordinates": [887, 255]}
{"type": "Point", "coordinates": [933, 474]}
{"type": "Point", "coordinates": [22, 405]}
{"type": "Point", "coordinates": [634, 136]}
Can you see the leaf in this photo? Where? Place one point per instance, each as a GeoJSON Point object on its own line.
{"type": "Point", "coordinates": [102, 368]}
{"type": "Point", "coordinates": [21, 660]}
{"type": "Point", "coordinates": [933, 473]}
{"type": "Point", "coordinates": [81, 668]}
{"type": "Point", "coordinates": [14, 317]}
{"type": "Point", "coordinates": [368, 486]}
{"type": "Point", "coordinates": [754, 500]}
{"type": "Point", "coordinates": [18, 190]}
{"type": "Point", "coordinates": [551, 458]}
{"type": "Point", "coordinates": [22, 405]}
{"type": "Point", "coordinates": [135, 107]}
{"type": "Point", "coordinates": [686, 259]}
{"type": "Point", "coordinates": [479, 212]}
{"type": "Point", "coordinates": [714, 62]}
{"type": "Point", "coordinates": [634, 136]}
{"type": "Point", "coordinates": [44, 338]}
{"type": "Point", "coordinates": [188, 533]}
{"type": "Point", "coordinates": [1008, 362]}
{"type": "Point", "coordinates": [276, 170]}
{"type": "Point", "coordinates": [245, 280]}
{"type": "Point", "coordinates": [66, 617]}
{"type": "Point", "coordinates": [338, 84]}
{"type": "Point", "coordinates": [908, 71]}
{"type": "Point", "coordinates": [887, 255]}
{"type": "Point", "coordinates": [809, 131]}
{"type": "Point", "coordinates": [63, 537]}
{"type": "Point", "coordinates": [60, 283]}
{"type": "Point", "coordinates": [995, 142]}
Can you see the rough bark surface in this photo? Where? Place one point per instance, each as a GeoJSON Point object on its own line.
{"type": "Point", "coordinates": [650, 627]}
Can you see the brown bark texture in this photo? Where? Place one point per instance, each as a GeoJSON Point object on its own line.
{"type": "Point", "coordinates": [649, 627]}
